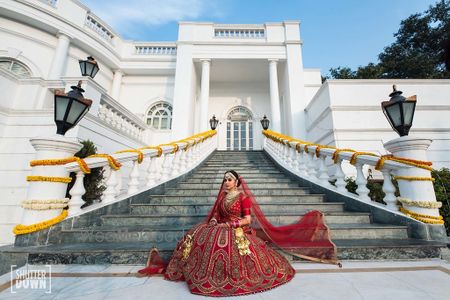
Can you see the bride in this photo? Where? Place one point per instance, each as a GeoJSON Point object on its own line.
{"type": "Point", "coordinates": [229, 254]}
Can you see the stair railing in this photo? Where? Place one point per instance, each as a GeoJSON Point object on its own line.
{"type": "Point", "coordinates": [150, 167]}
{"type": "Point", "coordinates": [323, 165]}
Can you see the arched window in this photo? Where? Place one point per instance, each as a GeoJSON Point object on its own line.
{"type": "Point", "coordinates": [159, 116]}
{"type": "Point", "coordinates": [15, 67]}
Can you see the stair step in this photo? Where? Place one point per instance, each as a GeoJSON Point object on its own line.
{"type": "Point", "coordinates": [183, 220]}
{"type": "Point", "coordinates": [183, 209]}
{"type": "Point", "coordinates": [219, 175]}
{"type": "Point", "coordinates": [248, 180]}
{"type": "Point", "coordinates": [174, 234]}
{"type": "Point", "coordinates": [137, 253]}
{"type": "Point", "coordinates": [243, 172]}
{"type": "Point", "coordinates": [251, 185]}
{"type": "Point", "coordinates": [204, 199]}
{"type": "Point", "coordinates": [256, 192]}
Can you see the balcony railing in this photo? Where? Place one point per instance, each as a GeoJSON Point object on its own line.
{"type": "Point", "coordinates": [95, 25]}
{"type": "Point", "coordinates": [156, 50]}
{"type": "Point", "coordinates": [240, 33]}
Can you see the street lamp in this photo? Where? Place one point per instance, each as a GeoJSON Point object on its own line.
{"type": "Point", "coordinates": [213, 122]}
{"type": "Point", "coordinates": [265, 122]}
{"type": "Point", "coordinates": [89, 67]}
{"type": "Point", "coordinates": [399, 111]}
{"type": "Point", "coordinates": [70, 108]}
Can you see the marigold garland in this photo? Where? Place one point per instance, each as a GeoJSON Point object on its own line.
{"type": "Point", "coordinates": [113, 163]}
{"type": "Point", "coordinates": [139, 153]}
{"type": "Point", "coordinates": [49, 179]}
{"type": "Point", "coordinates": [422, 217]}
{"type": "Point", "coordinates": [62, 161]}
{"type": "Point", "coordinates": [356, 154]}
{"type": "Point", "coordinates": [153, 147]}
{"type": "Point", "coordinates": [24, 229]}
{"type": "Point", "coordinates": [407, 161]}
{"type": "Point", "coordinates": [414, 178]}
{"type": "Point", "coordinates": [422, 204]}
{"type": "Point", "coordinates": [322, 147]}
{"type": "Point", "coordinates": [335, 156]}
{"type": "Point", "coordinates": [175, 147]}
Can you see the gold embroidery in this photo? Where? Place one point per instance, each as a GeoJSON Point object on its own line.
{"type": "Point", "coordinates": [241, 241]}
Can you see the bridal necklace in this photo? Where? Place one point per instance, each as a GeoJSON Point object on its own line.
{"type": "Point", "coordinates": [231, 195]}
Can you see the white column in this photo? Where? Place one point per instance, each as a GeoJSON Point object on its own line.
{"type": "Point", "coordinates": [53, 147]}
{"type": "Point", "coordinates": [204, 96]}
{"type": "Point", "coordinates": [116, 85]}
{"type": "Point", "coordinates": [60, 57]}
{"type": "Point", "coordinates": [274, 96]}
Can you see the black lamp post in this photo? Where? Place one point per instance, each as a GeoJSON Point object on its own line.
{"type": "Point", "coordinates": [399, 111]}
{"type": "Point", "coordinates": [265, 122]}
{"type": "Point", "coordinates": [89, 67]}
{"type": "Point", "coordinates": [213, 122]}
{"type": "Point", "coordinates": [70, 108]}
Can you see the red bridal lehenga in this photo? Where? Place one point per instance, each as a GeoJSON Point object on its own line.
{"type": "Point", "coordinates": [223, 261]}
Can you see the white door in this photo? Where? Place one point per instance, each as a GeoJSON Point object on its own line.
{"type": "Point", "coordinates": [239, 130]}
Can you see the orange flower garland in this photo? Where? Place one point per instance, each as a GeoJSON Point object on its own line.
{"type": "Point", "coordinates": [140, 154]}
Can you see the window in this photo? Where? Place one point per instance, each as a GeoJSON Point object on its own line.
{"type": "Point", "coordinates": [160, 116]}
{"type": "Point", "coordinates": [15, 67]}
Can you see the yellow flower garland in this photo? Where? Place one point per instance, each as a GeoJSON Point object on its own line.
{"type": "Point", "coordinates": [113, 163]}
{"type": "Point", "coordinates": [335, 156]}
{"type": "Point", "coordinates": [423, 218]}
{"type": "Point", "coordinates": [153, 147]}
{"type": "Point", "coordinates": [356, 154]}
{"type": "Point", "coordinates": [407, 161]}
{"type": "Point", "coordinates": [62, 161]}
{"type": "Point", "coordinates": [49, 179]}
{"type": "Point", "coordinates": [422, 204]}
{"type": "Point", "coordinates": [322, 147]}
{"type": "Point", "coordinates": [414, 178]}
{"type": "Point", "coordinates": [24, 229]}
{"type": "Point", "coordinates": [175, 147]}
{"type": "Point", "coordinates": [139, 153]}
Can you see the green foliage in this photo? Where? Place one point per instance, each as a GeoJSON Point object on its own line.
{"type": "Point", "coordinates": [421, 49]}
{"type": "Point", "coordinates": [375, 188]}
{"type": "Point", "coordinates": [442, 190]}
{"type": "Point", "coordinates": [93, 181]}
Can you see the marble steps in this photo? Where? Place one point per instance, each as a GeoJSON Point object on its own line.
{"type": "Point", "coordinates": [177, 220]}
{"type": "Point", "coordinates": [182, 220]}
{"type": "Point", "coordinates": [218, 181]}
{"type": "Point", "coordinates": [211, 198]}
{"type": "Point", "coordinates": [213, 191]}
{"type": "Point", "coordinates": [183, 209]}
{"type": "Point", "coordinates": [252, 185]}
{"type": "Point", "coordinates": [137, 253]}
{"type": "Point", "coordinates": [219, 175]}
{"type": "Point", "coordinates": [174, 234]}
{"type": "Point", "coordinates": [244, 172]}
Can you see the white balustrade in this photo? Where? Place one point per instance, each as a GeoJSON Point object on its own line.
{"type": "Point", "coordinates": [316, 169]}
{"type": "Point", "coordinates": [152, 171]}
{"type": "Point", "coordinates": [156, 49]}
{"type": "Point", "coordinates": [254, 33]}
{"type": "Point", "coordinates": [95, 25]}
{"type": "Point", "coordinates": [120, 119]}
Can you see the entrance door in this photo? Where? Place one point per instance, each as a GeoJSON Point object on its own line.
{"type": "Point", "coordinates": [239, 129]}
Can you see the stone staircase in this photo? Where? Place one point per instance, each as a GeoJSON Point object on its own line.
{"type": "Point", "coordinates": [125, 235]}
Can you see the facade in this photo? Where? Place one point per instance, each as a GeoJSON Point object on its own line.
{"type": "Point", "coordinates": [148, 93]}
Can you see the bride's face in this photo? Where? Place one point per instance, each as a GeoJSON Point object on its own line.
{"type": "Point", "coordinates": [229, 183]}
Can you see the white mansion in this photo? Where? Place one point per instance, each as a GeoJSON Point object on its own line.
{"type": "Point", "coordinates": [147, 93]}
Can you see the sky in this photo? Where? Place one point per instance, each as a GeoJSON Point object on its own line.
{"type": "Point", "coordinates": [334, 32]}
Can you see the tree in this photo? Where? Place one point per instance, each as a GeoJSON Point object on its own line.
{"type": "Point", "coordinates": [421, 49]}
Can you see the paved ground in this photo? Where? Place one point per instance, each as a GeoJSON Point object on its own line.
{"type": "Point", "coordinates": [384, 280]}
